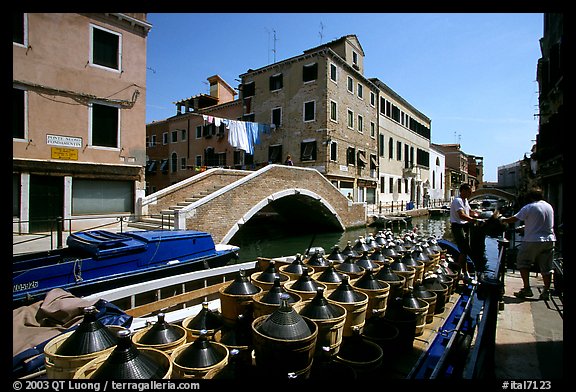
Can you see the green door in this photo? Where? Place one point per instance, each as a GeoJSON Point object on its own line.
{"type": "Point", "coordinates": [46, 202]}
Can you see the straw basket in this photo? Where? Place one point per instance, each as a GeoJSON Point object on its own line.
{"type": "Point", "coordinates": [193, 334]}
{"type": "Point", "coordinates": [184, 372]}
{"type": "Point", "coordinates": [278, 357]}
{"type": "Point", "coordinates": [305, 295]}
{"type": "Point", "coordinates": [355, 314]}
{"type": "Point", "coordinates": [292, 275]}
{"type": "Point", "coordinates": [261, 309]}
{"type": "Point", "coordinates": [420, 312]}
{"type": "Point", "coordinates": [377, 299]}
{"type": "Point", "coordinates": [160, 357]}
{"type": "Point", "coordinates": [166, 347]}
{"type": "Point", "coordinates": [408, 276]}
{"type": "Point", "coordinates": [233, 305]}
{"type": "Point", "coordinates": [329, 330]}
{"type": "Point", "coordinates": [268, 285]}
{"type": "Point", "coordinates": [65, 366]}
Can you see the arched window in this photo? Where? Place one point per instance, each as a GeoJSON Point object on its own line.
{"type": "Point", "coordinates": [437, 161]}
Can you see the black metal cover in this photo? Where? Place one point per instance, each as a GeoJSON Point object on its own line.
{"type": "Point", "coordinates": [205, 319]}
{"type": "Point", "coordinates": [241, 285]}
{"type": "Point", "coordinates": [161, 332]}
{"type": "Point", "coordinates": [202, 353]}
{"type": "Point", "coordinates": [285, 323]}
{"type": "Point", "coordinates": [320, 309]}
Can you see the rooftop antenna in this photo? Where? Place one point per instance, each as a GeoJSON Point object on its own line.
{"type": "Point", "coordinates": [274, 50]}
{"type": "Point", "coordinates": [321, 33]}
{"type": "Point", "coordinates": [457, 137]}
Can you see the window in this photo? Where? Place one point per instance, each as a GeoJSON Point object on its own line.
{"type": "Point", "coordinates": [390, 148]}
{"type": "Point", "coordinates": [105, 121]}
{"type": "Point", "coordinates": [151, 141]}
{"type": "Point", "coordinates": [277, 117]}
{"type": "Point", "coordinates": [360, 90]}
{"type": "Point", "coordinates": [382, 184]}
{"type": "Point", "coordinates": [248, 89]}
{"type": "Point", "coordinates": [92, 196]}
{"type": "Point", "coordinates": [333, 73]}
{"type": "Point", "coordinates": [106, 48]}
{"type": "Point", "coordinates": [372, 99]}
{"type": "Point", "coordinates": [354, 58]}
{"type": "Point", "coordinates": [275, 153]}
{"type": "Point", "coordinates": [174, 162]}
{"type": "Point", "coordinates": [183, 134]}
{"type": "Point", "coordinates": [310, 72]}
{"type": "Point", "coordinates": [198, 132]}
{"type": "Point", "coordinates": [360, 124]}
{"type": "Point", "coordinates": [309, 111]}
{"type": "Point", "coordinates": [350, 119]}
{"type": "Point", "coordinates": [334, 151]}
{"type": "Point", "coordinates": [391, 185]}
{"type": "Point", "coordinates": [151, 166]}
{"type": "Point", "coordinates": [372, 130]}
{"type": "Point", "coordinates": [19, 28]}
{"type": "Point", "coordinates": [183, 163]}
{"type": "Point", "coordinates": [351, 156]}
{"type": "Point", "coordinates": [164, 166]}
{"type": "Point", "coordinates": [165, 138]}
{"type": "Point", "coordinates": [399, 151]}
{"type": "Point", "coordinates": [18, 110]}
{"type": "Point", "coordinates": [350, 85]}
{"type": "Point", "coordinates": [174, 135]}
{"type": "Point", "coordinates": [308, 150]}
{"type": "Point", "coordinates": [381, 145]}
{"type": "Point", "coordinates": [382, 105]}
{"type": "Point", "coordinates": [198, 160]}
{"type": "Point", "coordinates": [333, 111]}
{"type": "Point", "coordinates": [399, 182]}
{"type": "Point", "coordinates": [276, 82]}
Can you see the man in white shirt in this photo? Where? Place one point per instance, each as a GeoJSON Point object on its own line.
{"type": "Point", "coordinates": [460, 217]}
{"type": "Point", "coordinates": [538, 243]}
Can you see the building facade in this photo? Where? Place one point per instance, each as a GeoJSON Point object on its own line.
{"type": "Point", "coordinates": [185, 144]}
{"type": "Point", "coordinates": [79, 89]}
{"type": "Point", "coordinates": [404, 149]}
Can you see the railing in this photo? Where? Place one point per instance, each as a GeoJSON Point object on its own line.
{"type": "Point", "coordinates": [57, 229]}
{"type": "Point", "coordinates": [401, 206]}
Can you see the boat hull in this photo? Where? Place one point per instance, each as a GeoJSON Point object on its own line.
{"type": "Point", "coordinates": [89, 265]}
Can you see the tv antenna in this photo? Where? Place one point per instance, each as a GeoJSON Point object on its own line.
{"type": "Point", "coordinates": [321, 32]}
{"type": "Point", "coordinates": [274, 48]}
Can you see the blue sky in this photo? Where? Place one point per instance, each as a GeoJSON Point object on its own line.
{"type": "Point", "coordinates": [472, 74]}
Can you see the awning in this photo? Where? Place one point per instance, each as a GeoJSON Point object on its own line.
{"type": "Point", "coordinates": [362, 157]}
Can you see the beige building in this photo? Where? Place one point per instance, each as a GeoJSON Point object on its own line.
{"type": "Point", "coordinates": [404, 150]}
{"type": "Point", "coordinates": [325, 114]}
{"type": "Point", "coordinates": [185, 144]}
{"type": "Point", "coordinates": [79, 89]}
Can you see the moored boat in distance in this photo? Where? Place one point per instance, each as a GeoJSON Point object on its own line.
{"type": "Point", "coordinates": [98, 260]}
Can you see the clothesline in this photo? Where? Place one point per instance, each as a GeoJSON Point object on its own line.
{"type": "Point", "coordinates": [242, 134]}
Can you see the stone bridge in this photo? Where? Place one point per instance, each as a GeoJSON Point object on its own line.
{"type": "Point", "coordinates": [220, 201]}
{"type": "Point", "coordinates": [493, 192]}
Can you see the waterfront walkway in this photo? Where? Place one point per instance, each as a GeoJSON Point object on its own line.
{"type": "Point", "coordinates": [529, 336]}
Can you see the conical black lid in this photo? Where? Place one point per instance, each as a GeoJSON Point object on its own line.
{"type": "Point", "coordinates": [202, 353]}
{"type": "Point", "coordinates": [317, 260]}
{"type": "Point", "coordinates": [436, 282]}
{"type": "Point", "coordinates": [269, 274]}
{"type": "Point", "coordinates": [368, 281]}
{"type": "Point", "coordinates": [345, 293]}
{"type": "Point", "coordinates": [409, 301]}
{"type": "Point", "coordinates": [380, 239]}
{"type": "Point", "coordinates": [320, 309]}
{"type": "Point", "coordinates": [360, 246]}
{"type": "Point", "coordinates": [161, 333]}
{"type": "Point", "coordinates": [420, 291]}
{"type": "Point", "coordinates": [296, 267]}
{"type": "Point", "coordinates": [285, 323]}
{"type": "Point", "coordinates": [386, 274]}
{"type": "Point", "coordinates": [330, 275]}
{"type": "Point", "coordinates": [419, 255]}
{"type": "Point", "coordinates": [408, 259]}
{"type": "Point", "coordinates": [365, 262]}
{"type": "Point", "coordinates": [377, 255]}
{"type": "Point", "coordinates": [305, 283]}
{"type": "Point", "coordinates": [336, 255]}
{"type": "Point", "coordinates": [349, 265]}
{"type": "Point", "coordinates": [397, 265]}
{"type": "Point", "coordinates": [274, 295]}
{"type": "Point", "coordinates": [128, 362]}
{"type": "Point", "coordinates": [205, 319]}
{"type": "Point", "coordinates": [90, 336]}
{"type": "Point", "coordinates": [241, 285]}
{"type": "Point", "coordinates": [389, 251]}
{"type": "Point", "coordinates": [348, 251]}
{"type": "Point", "coordinates": [395, 311]}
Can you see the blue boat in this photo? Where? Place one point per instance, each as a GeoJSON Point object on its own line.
{"type": "Point", "coordinates": [99, 260]}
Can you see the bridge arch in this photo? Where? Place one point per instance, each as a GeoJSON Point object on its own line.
{"type": "Point", "coordinates": [311, 201]}
{"type": "Point", "coordinates": [494, 192]}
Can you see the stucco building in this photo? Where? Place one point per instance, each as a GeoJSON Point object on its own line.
{"type": "Point", "coordinates": [79, 91]}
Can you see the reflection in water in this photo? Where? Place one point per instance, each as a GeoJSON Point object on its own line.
{"type": "Point", "coordinates": [269, 240]}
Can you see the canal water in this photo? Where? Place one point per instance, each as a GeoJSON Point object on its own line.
{"type": "Point", "coordinates": [276, 240]}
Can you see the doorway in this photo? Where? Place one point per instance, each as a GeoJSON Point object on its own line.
{"type": "Point", "coordinates": [46, 202]}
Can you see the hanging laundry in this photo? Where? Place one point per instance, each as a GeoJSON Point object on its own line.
{"type": "Point", "coordinates": [252, 129]}
{"type": "Point", "coordinates": [237, 135]}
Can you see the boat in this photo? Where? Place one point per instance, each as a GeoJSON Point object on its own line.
{"type": "Point", "coordinates": [97, 260]}
{"type": "Point", "coordinates": [455, 345]}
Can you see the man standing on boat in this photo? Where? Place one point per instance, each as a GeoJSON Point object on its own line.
{"type": "Point", "coordinates": [538, 243]}
{"type": "Point", "coordinates": [460, 217]}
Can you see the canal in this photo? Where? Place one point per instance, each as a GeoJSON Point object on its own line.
{"type": "Point", "coordinates": [275, 239]}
